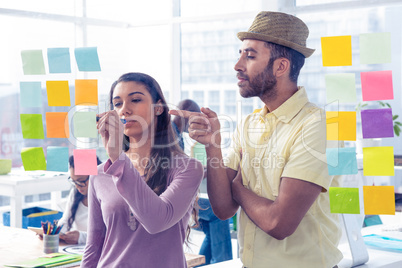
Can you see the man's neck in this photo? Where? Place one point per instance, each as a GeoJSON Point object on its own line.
{"type": "Point", "coordinates": [283, 93]}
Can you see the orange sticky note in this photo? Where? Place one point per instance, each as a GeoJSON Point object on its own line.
{"type": "Point", "coordinates": [336, 50]}
{"type": "Point", "coordinates": [341, 126]}
{"type": "Point", "coordinates": [86, 92]}
{"type": "Point", "coordinates": [378, 161]}
{"type": "Point", "coordinates": [58, 93]}
{"type": "Point", "coordinates": [57, 125]}
{"type": "Point", "coordinates": [379, 200]}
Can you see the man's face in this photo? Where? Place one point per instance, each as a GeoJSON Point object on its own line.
{"type": "Point", "coordinates": [255, 69]}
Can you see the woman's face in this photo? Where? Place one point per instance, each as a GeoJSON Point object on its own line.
{"type": "Point", "coordinates": [80, 182]}
{"type": "Point", "coordinates": [132, 101]}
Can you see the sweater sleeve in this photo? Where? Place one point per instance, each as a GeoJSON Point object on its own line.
{"type": "Point", "coordinates": [96, 229]}
{"type": "Point", "coordinates": [157, 213]}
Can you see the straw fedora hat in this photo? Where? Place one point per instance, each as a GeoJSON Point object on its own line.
{"type": "Point", "coordinates": [279, 28]}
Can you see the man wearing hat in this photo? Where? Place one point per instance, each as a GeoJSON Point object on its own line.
{"type": "Point", "coordinates": [275, 170]}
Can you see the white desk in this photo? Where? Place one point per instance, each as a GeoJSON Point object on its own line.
{"type": "Point", "coordinates": [19, 183]}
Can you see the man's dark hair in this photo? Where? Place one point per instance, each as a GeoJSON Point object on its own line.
{"type": "Point", "coordinates": [296, 59]}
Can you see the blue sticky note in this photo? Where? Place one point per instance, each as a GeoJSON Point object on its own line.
{"type": "Point", "coordinates": [87, 59]}
{"type": "Point", "coordinates": [57, 158]}
{"type": "Point", "coordinates": [342, 161]}
{"type": "Point", "coordinates": [59, 60]}
{"type": "Point", "coordinates": [30, 94]}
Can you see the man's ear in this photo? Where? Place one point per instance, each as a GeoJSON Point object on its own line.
{"type": "Point", "coordinates": [158, 108]}
{"type": "Point", "coordinates": [281, 67]}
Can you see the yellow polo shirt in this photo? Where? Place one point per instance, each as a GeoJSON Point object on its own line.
{"type": "Point", "coordinates": [288, 142]}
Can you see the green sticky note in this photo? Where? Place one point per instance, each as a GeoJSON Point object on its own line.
{"type": "Point", "coordinates": [33, 158]}
{"type": "Point", "coordinates": [375, 48]}
{"type": "Point", "coordinates": [344, 200]}
{"type": "Point", "coordinates": [32, 126]}
{"type": "Point", "coordinates": [378, 161]}
{"type": "Point", "coordinates": [341, 87]}
{"type": "Point", "coordinates": [85, 125]}
{"type": "Point", "coordinates": [32, 62]}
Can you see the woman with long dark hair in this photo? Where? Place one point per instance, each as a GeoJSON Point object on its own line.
{"type": "Point", "coordinates": [142, 198]}
{"type": "Point", "coordinates": [75, 216]}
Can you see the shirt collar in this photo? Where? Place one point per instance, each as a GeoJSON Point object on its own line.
{"type": "Point", "coordinates": [290, 108]}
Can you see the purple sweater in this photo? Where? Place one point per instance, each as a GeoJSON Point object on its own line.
{"type": "Point", "coordinates": [119, 197]}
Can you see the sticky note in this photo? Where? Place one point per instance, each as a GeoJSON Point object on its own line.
{"type": "Point", "coordinates": [377, 123]}
{"type": "Point", "coordinates": [32, 126]}
{"type": "Point", "coordinates": [85, 125]}
{"type": "Point", "coordinates": [379, 200]}
{"type": "Point", "coordinates": [33, 158]}
{"type": "Point", "coordinates": [57, 125]}
{"type": "Point", "coordinates": [59, 60]}
{"type": "Point", "coordinates": [87, 59]}
{"type": "Point", "coordinates": [341, 87]}
{"type": "Point", "coordinates": [341, 126]}
{"type": "Point", "coordinates": [86, 92]}
{"type": "Point", "coordinates": [58, 93]}
{"type": "Point", "coordinates": [377, 85]}
{"type": "Point", "coordinates": [85, 162]}
{"type": "Point", "coordinates": [344, 200]}
{"type": "Point", "coordinates": [32, 62]}
{"type": "Point", "coordinates": [57, 158]}
{"type": "Point", "coordinates": [336, 50]}
{"type": "Point", "coordinates": [30, 94]}
{"type": "Point", "coordinates": [378, 161]}
{"type": "Point", "coordinates": [342, 161]}
{"type": "Point", "coordinates": [375, 48]}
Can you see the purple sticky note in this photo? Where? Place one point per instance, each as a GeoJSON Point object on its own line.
{"type": "Point", "coordinates": [377, 123]}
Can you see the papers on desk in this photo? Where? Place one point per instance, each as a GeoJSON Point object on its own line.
{"type": "Point", "coordinates": [49, 260]}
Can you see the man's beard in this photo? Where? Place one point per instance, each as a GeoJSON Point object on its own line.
{"type": "Point", "coordinates": [263, 84]}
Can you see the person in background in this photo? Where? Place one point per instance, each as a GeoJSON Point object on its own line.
{"type": "Point", "coordinates": [141, 201]}
{"type": "Point", "coordinates": [217, 245]}
{"type": "Point", "coordinates": [180, 124]}
{"type": "Point", "coordinates": [276, 169]}
{"type": "Point", "coordinates": [75, 216]}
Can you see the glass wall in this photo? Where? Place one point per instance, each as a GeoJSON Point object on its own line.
{"type": "Point", "coordinates": [189, 46]}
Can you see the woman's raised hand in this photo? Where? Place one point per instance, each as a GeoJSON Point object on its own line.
{"type": "Point", "coordinates": [111, 129]}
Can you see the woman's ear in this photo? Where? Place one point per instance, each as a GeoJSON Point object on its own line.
{"type": "Point", "coordinates": [158, 108]}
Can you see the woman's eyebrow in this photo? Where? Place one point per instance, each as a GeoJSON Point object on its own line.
{"type": "Point", "coordinates": [130, 94]}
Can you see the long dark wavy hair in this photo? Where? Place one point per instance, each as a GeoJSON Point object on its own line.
{"type": "Point", "coordinates": [164, 144]}
{"type": "Point", "coordinates": [78, 197]}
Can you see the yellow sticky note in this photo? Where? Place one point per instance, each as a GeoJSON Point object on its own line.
{"type": "Point", "coordinates": [58, 93]}
{"type": "Point", "coordinates": [378, 161]}
{"type": "Point", "coordinates": [86, 92]}
{"type": "Point", "coordinates": [341, 126]}
{"type": "Point", "coordinates": [336, 50]}
{"type": "Point", "coordinates": [379, 200]}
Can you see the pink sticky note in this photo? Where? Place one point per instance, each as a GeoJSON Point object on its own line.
{"type": "Point", "coordinates": [85, 162]}
{"type": "Point", "coordinates": [377, 85]}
